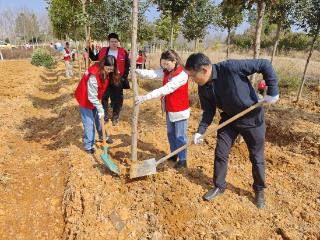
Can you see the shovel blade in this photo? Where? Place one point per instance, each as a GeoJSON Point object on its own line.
{"type": "Point", "coordinates": [107, 161]}
{"type": "Point", "coordinates": [143, 168]}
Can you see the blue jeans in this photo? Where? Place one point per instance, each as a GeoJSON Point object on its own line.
{"type": "Point", "coordinates": [177, 136]}
{"type": "Point", "coordinates": [90, 120]}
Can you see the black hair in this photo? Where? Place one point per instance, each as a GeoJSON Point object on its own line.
{"type": "Point", "coordinates": [114, 76]}
{"type": "Point", "coordinates": [113, 35]}
{"type": "Point", "coordinates": [67, 43]}
{"type": "Point", "coordinates": [196, 60]}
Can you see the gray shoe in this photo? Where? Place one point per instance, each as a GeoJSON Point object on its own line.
{"type": "Point", "coordinates": [260, 202]}
{"type": "Point", "coordinates": [212, 193]}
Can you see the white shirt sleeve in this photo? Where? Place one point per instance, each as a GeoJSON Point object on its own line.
{"type": "Point", "coordinates": [150, 74]}
{"type": "Point", "coordinates": [170, 87]}
{"type": "Point", "coordinates": [93, 93]}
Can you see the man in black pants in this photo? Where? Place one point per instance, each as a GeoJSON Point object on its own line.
{"type": "Point", "coordinates": [226, 85]}
{"type": "Point", "coordinates": [115, 92]}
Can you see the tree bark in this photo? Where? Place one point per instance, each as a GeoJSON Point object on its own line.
{"type": "Point", "coordinates": [228, 42]}
{"type": "Point", "coordinates": [171, 30]}
{"type": "Point", "coordinates": [261, 10]}
{"type": "Point", "coordinates": [135, 112]}
{"type": "Point", "coordinates": [307, 63]}
{"type": "Point", "coordinates": [86, 29]}
{"type": "Point", "coordinates": [256, 52]}
{"type": "Point", "coordinates": [195, 45]}
{"type": "Point", "coordinates": [276, 41]}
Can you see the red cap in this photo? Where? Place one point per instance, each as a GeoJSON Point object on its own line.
{"type": "Point", "coordinates": [262, 85]}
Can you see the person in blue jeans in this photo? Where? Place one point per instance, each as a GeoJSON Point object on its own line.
{"type": "Point", "coordinates": [89, 93]}
{"type": "Point", "coordinates": [174, 99]}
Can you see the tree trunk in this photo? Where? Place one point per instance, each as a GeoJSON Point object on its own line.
{"type": "Point", "coordinates": [228, 42]}
{"type": "Point", "coordinates": [256, 51]}
{"type": "Point", "coordinates": [135, 112]}
{"type": "Point", "coordinates": [195, 45]}
{"type": "Point", "coordinates": [171, 30]}
{"type": "Point", "coordinates": [86, 29]}
{"type": "Point", "coordinates": [276, 41]}
{"type": "Point", "coordinates": [307, 63]}
{"type": "Point", "coordinates": [261, 9]}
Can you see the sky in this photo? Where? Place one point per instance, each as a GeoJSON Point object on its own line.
{"type": "Point", "coordinates": [39, 6]}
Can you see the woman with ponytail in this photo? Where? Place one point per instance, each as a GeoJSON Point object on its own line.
{"type": "Point", "coordinates": [89, 93]}
{"type": "Point", "coordinates": [174, 99]}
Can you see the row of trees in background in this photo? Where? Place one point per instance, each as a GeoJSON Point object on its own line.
{"type": "Point", "coordinates": [24, 26]}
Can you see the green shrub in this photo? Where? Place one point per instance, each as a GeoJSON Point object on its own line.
{"type": "Point", "coordinates": [41, 57]}
{"type": "Point", "coordinates": [241, 41]}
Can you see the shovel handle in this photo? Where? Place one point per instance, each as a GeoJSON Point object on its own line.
{"type": "Point", "coordinates": [103, 132]}
{"type": "Point", "coordinates": [235, 117]}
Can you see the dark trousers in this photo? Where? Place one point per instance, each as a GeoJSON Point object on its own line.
{"type": "Point", "coordinates": [254, 137]}
{"type": "Point", "coordinates": [115, 93]}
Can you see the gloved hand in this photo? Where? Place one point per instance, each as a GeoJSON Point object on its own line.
{"type": "Point", "coordinates": [197, 138]}
{"type": "Point", "coordinates": [140, 99]}
{"type": "Point", "coordinates": [100, 113]}
{"type": "Point", "coordinates": [269, 99]}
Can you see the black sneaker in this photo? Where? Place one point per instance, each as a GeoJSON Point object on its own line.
{"type": "Point", "coordinates": [114, 122]}
{"type": "Point", "coordinates": [174, 158]}
{"type": "Point", "coordinates": [181, 164]}
{"type": "Point", "coordinates": [91, 151]}
{"type": "Point", "coordinates": [108, 140]}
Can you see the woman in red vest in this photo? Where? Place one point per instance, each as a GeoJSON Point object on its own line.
{"type": "Point", "coordinates": [175, 100]}
{"type": "Point", "coordinates": [89, 93]}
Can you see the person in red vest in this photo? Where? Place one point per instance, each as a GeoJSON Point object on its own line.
{"type": "Point", "coordinates": [139, 60]}
{"type": "Point", "coordinates": [89, 94]}
{"type": "Point", "coordinates": [114, 92]}
{"type": "Point", "coordinates": [67, 60]}
{"type": "Point", "coordinates": [174, 99]}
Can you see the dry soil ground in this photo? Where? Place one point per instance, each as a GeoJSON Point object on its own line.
{"type": "Point", "coordinates": [51, 189]}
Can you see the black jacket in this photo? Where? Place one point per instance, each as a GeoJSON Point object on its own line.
{"type": "Point", "coordinates": [230, 90]}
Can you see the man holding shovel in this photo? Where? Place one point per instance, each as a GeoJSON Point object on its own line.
{"type": "Point", "coordinates": [226, 85]}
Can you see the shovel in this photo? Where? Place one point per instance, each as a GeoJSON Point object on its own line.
{"type": "Point", "coordinates": [149, 167]}
{"type": "Point", "coordinates": [105, 157]}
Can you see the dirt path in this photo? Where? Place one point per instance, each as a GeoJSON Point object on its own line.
{"type": "Point", "coordinates": [32, 168]}
{"type": "Point", "coordinates": [43, 150]}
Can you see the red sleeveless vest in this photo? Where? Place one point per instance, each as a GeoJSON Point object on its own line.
{"type": "Point", "coordinates": [178, 100]}
{"type": "Point", "coordinates": [81, 92]}
{"type": "Point", "coordinates": [121, 58]}
{"type": "Point", "coordinates": [68, 58]}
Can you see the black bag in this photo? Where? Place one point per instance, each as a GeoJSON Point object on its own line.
{"type": "Point", "coordinates": [125, 83]}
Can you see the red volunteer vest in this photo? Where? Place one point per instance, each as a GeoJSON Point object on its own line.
{"type": "Point", "coordinates": [178, 100]}
{"type": "Point", "coordinates": [81, 92]}
{"type": "Point", "coordinates": [68, 58]}
{"type": "Point", "coordinates": [140, 59]}
{"type": "Point", "coordinates": [121, 58]}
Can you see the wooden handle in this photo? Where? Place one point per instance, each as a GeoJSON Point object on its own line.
{"type": "Point", "coordinates": [103, 132]}
{"type": "Point", "coordinates": [235, 117]}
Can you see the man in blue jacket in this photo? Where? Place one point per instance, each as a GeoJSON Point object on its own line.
{"type": "Point", "coordinates": [226, 86]}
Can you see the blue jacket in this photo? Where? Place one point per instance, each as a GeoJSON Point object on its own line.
{"type": "Point", "coordinates": [230, 90]}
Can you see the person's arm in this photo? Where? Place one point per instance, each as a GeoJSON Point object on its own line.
{"type": "Point", "coordinates": [168, 88]}
{"type": "Point", "coordinates": [127, 66]}
{"type": "Point", "coordinates": [209, 110]}
{"type": "Point", "coordinates": [150, 74]}
{"type": "Point", "coordinates": [263, 66]}
{"type": "Point", "coordinates": [93, 95]}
